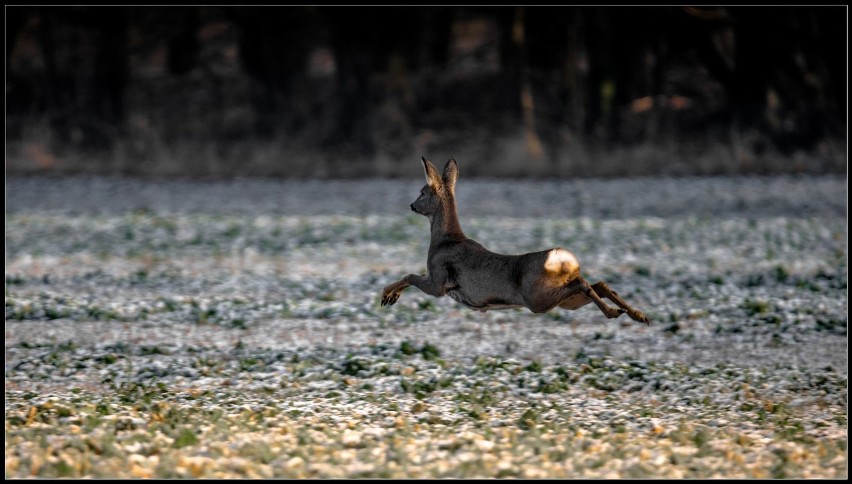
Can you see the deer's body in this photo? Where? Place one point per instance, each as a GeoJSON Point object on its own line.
{"type": "Point", "coordinates": [511, 283]}
{"type": "Point", "coordinates": [472, 275]}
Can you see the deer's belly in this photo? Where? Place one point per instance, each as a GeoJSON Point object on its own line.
{"type": "Point", "coordinates": [484, 305]}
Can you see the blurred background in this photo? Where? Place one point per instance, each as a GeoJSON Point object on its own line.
{"type": "Point", "coordinates": [342, 92]}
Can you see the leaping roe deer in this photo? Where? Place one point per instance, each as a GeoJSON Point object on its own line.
{"type": "Point", "coordinates": [480, 279]}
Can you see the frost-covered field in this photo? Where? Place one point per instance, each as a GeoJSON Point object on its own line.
{"type": "Point", "coordinates": [210, 329]}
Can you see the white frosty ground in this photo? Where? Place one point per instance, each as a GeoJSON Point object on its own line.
{"type": "Point", "coordinates": [710, 259]}
{"type": "Point", "coordinates": [212, 285]}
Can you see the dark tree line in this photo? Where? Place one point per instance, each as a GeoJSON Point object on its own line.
{"type": "Point", "coordinates": [210, 87]}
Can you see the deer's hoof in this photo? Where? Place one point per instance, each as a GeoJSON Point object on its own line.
{"type": "Point", "coordinates": [389, 299]}
{"type": "Point", "coordinates": [613, 313]}
{"type": "Point", "coordinates": [639, 316]}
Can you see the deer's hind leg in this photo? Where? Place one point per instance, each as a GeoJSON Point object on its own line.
{"type": "Point", "coordinates": [604, 290]}
{"type": "Point", "coordinates": [601, 288]}
{"type": "Point", "coordinates": [578, 293]}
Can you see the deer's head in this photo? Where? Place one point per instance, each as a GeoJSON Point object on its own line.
{"type": "Point", "coordinates": [438, 193]}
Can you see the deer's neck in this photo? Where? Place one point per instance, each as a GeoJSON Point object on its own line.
{"type": "Point", "coordinates": [445, 224]}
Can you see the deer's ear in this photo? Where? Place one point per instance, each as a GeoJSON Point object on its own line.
{"type": "Point", "coordinates": [432, 176]}
{"type": "Point", "coordinates": [451, 173]}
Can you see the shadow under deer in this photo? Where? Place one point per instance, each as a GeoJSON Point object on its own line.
{"type": "Point", "coordinates": [480, 279]}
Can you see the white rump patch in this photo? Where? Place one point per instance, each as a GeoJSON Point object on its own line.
{"type": "Point", "coordinates": [560, 260]}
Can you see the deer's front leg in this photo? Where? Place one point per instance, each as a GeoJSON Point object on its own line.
{"type": "Point", "coordinates": [391, 292]}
